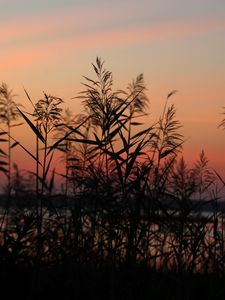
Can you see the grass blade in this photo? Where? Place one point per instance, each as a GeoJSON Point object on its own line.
{"type": "Point", "coordinates": [35, 130]}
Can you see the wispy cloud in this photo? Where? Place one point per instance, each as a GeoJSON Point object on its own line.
{"type": "Point", "coordinates": [59, 23]}
{"type": "Point", "coordinates": [42, 50]}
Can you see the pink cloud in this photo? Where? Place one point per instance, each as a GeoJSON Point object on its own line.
{"type": "Point", "coordinates": [57, 23]}
{"type": "Point", "coordinates": [41, 52]}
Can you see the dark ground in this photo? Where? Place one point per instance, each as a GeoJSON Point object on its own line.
{"type": "Point", "coordinates": [73, 282]}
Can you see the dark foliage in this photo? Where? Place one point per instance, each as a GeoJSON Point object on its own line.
{"type": "Point", "coordinates": [131, 221]}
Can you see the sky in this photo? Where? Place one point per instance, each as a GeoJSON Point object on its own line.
{"type": "Point", "coordinates": [178, 45]}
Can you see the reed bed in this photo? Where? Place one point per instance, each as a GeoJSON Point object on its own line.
{"type": "Point", "coordinates": [131, 220]}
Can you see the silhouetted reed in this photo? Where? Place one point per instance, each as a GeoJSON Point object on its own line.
{"type": "Point", "coordinates": [128, 203]}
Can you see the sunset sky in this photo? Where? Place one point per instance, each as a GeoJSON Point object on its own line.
{"type": "Point", "coordinates": [177, 45]}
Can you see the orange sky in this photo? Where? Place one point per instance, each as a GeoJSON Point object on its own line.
{"type": "Point", "coordinates": [49, 46]}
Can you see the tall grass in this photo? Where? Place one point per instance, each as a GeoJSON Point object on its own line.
{"type": "Point", "coordinates": [8, 116]}
{"type": "Point", "coordinates": [128, 199]}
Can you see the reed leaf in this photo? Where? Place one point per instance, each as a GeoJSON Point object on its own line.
{"type": "Point", "coordinates": [32, 126]}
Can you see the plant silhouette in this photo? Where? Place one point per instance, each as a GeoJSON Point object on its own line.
{"type": "Point", "coordinates": [132, 220]}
